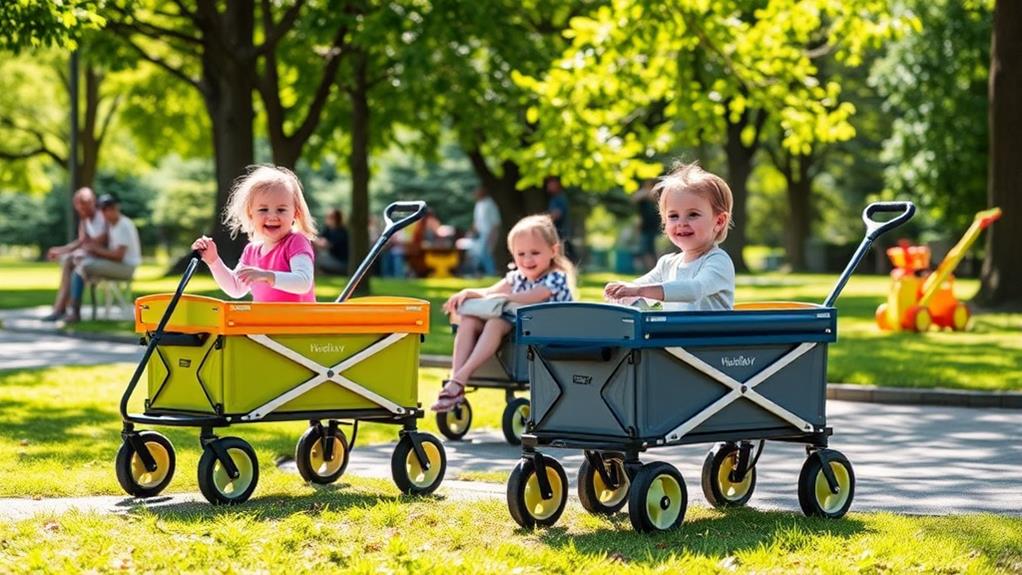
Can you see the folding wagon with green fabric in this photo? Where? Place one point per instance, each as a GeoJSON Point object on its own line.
{"type": "Point", "coordinates": [211, 364]}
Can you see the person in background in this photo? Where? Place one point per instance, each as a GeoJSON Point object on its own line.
{"type": "Point", "coordinates": [695, 206]}
{"type": "Point", "coordinates": [559, 212]}
{"type": "Point", "coordinates": [486, 223]}
{"type": "Point", "coordinates": [332, 244]}
{"type": "Point", "coordinates": [277, 264]}
{"type": "Point", "coordinates": [649, 224]}
{"type": "Point", "coordinates": [117, 260]}
{"type": "Point", "coordinates": [91, 231]}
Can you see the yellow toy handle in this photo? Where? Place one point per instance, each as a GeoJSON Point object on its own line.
{"type": "Point", "coordinates": [954, 257]}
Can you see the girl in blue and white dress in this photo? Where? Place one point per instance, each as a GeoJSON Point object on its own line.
{"type": "Point", "coordinates": [542, 274]}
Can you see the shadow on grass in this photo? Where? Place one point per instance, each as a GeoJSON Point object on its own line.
{"type": "Point", "coordinates": [336, 497]}
{"type": "Point", "coordinates": [729, 532]}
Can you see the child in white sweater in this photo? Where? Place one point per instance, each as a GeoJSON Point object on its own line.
{"type": "Point", "coordinates": [695, 207]}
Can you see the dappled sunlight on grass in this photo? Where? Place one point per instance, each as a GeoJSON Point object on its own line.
{"type": "Point", "coordinates": [366, 527]}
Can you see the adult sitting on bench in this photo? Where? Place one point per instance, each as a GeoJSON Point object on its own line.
{"type": "Point", "coordinates": [116, 262]}
{"type": "Point", "coordinates": [91, 231]}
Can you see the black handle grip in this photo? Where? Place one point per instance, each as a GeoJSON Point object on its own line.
{"type": "Point", "coordinates": [417, 209]}
{"type": "Point", "coordinates": [875, 229]}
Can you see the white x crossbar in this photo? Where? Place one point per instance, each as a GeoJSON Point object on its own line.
{"type": "Point", "coordinates": [739, 389]}
{"type": "Point", "coordinates": [324, 374]}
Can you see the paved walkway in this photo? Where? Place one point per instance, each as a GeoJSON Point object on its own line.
{"type": "Point", "coordinates": [907, 458]}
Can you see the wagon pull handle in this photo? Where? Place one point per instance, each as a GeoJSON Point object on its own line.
{"type": "Point", "coordinates": [417, 209]}
{"type": "Point", "coordinates": [874, 229]}
{"type": "Point", "coordinates": [154, 339]}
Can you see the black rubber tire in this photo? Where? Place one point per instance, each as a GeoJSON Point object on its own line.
{"type": "Point", "coordinates": [593, 494]}
{"type": "Point", "coordinates": [131, 473]}
{"type": "Point", "coordinates": [515, 419]}
{"type": "Point", "coordinates": [215, 485]}
{"type": "Point", "coordinates": [454, 424]}
{"type": "Point", "coordinates": [309, 456]}
{"type": "Point", "coordinates": [721, 492]}
{"type": "Point", "coordinates": [523, 488]}
{"type": "Point", "coordinates": [406, 471]}
{"type": "Point", "coordinates": [663, 483]}
{"type": "Point", "coordinates": [812, 485]}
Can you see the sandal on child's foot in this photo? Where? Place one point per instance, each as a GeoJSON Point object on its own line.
{"type": "Point", "coordinates": [448, 400]}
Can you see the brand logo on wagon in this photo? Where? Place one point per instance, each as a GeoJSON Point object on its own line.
{"type": "Point", "coordinates": [581, 379]}
{"type": "Point", "coordinates": [325, 348]}
{"type": "Point", "coordinates": [737, 361]}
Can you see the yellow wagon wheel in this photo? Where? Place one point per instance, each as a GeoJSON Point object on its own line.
{"type": "Point", "coordinates": [525, 499]}
{"type": "Point", "coordinates": [515, 420]}
{"type": "Point", "coordinates": [814, 493]}
{"type": "Point", "coordinates": [311, 460]}
{"type": "Point", "coordinates": [408, 472]}
{"type": "Point", "coordinates": [216, 482]}
{"type": "Point", "coordinates": [595, 494]}
{"type": "Point", "coordinates": [454, 424]}
{"type": "Point", "coordinates": [658, 499]}
{"type": "Point", "coordinates": [718, 485]}
{"type": "Point", "coordinates": [132, 473]}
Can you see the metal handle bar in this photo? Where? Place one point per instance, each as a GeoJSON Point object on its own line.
{"type": "Point", "coordinates": [874, 229]}
{"type": "Point", "coordinates": [418, 209]}
{"type": "Point", "coordinates": [155, 338]}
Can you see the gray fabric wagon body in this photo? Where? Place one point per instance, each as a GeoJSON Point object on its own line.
{"type": "Point", "coordinates": [610, 372]}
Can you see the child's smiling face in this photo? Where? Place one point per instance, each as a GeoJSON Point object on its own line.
{"type": "Point", "coordinates": [690, 223]}
{"type": "Point", "coordinates": [532, 254]}
{"type": "Point", "coordinates": [272, 213]}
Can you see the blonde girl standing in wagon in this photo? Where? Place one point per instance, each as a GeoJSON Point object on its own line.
{"type": "Point", "coordinates": [277, 264]}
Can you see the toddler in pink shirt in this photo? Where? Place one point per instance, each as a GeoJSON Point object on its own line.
{"type": "Point", "coordinates": [277, 264]}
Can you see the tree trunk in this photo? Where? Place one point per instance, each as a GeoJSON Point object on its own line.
{"type": "Point", "coordinates": [87, 137]}
{"type": "Point", "coordinates": [227, 87]}
{"type": "Point", "coordinates": [739, 167]}
{"type": "Point", "coordinates": [358, 164]}
{"type": "Point", "coordinates": [799, 193]}
{"type": "Point", "coordinates": [1001, 285]}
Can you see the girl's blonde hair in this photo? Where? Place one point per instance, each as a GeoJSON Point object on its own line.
{"type": "Point", "coordinates": [543, 226]}
{"type": "Point", "coordinates": [692, 178]}
{"type": "Point", "coordinates": [237, 216]}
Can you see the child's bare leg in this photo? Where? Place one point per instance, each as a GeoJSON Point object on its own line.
{"type": "Point", "coordinates": [465, 340]}
{"type": "Point", "coordinates": [487, 345]}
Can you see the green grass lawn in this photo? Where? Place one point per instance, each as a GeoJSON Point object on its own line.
{"type": "Point", "coordinates": [985, 358]}
{"type": "Point", "coordinates": [365, 527]}
{"type": "Point", "coordinates": [60, 429]}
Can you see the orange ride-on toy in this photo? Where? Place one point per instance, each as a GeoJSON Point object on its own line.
{"type": "Point", "coordinates": [920, 298]}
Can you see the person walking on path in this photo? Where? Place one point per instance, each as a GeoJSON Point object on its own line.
{"type": "Point", "coordinates": [91, 232]}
